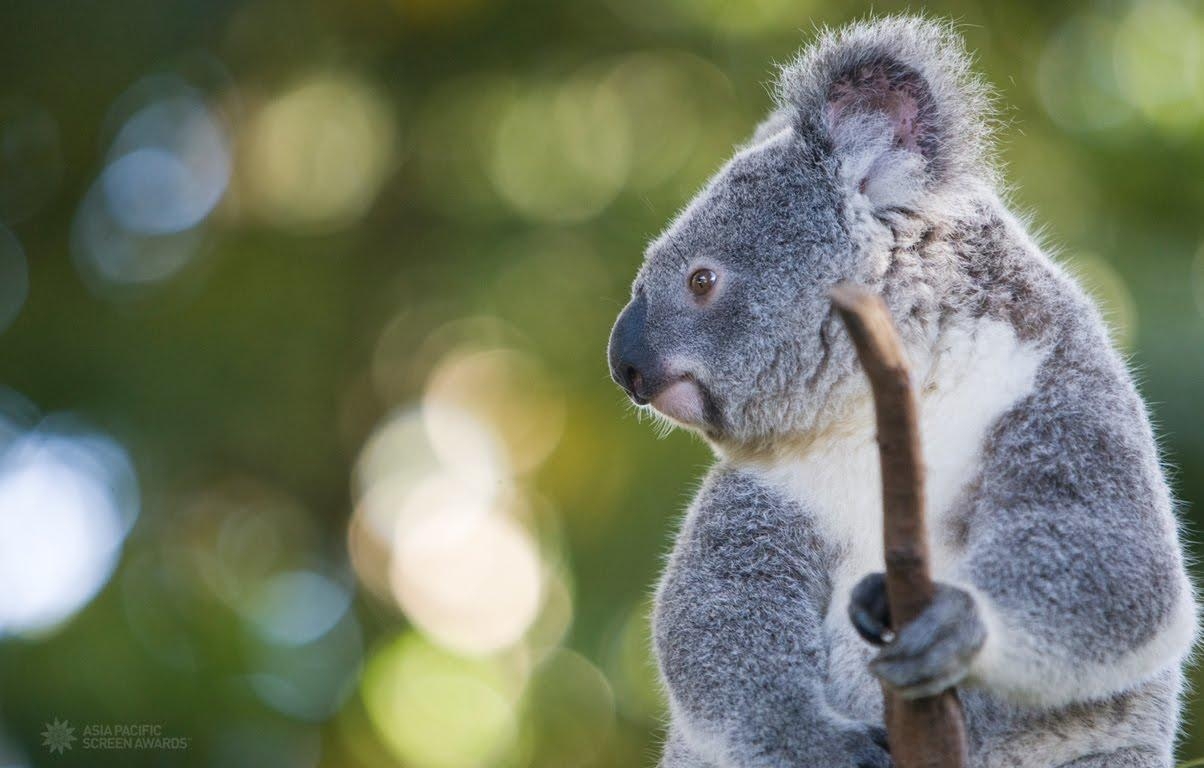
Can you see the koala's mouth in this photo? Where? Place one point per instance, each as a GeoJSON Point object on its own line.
{"type": "Point", "coordinates": [682, 400]}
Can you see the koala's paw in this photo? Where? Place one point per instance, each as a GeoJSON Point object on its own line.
{"type": "Point", "coordinates": [866, 744]}
{"type": "Point", "coordinates": [931, 653]}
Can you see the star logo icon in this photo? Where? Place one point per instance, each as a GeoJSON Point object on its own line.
{"type": "Point", "coordinates": [58, 736]}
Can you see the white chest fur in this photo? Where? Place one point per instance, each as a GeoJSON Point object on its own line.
{"type": "Point", "coordinates": [975, 374]}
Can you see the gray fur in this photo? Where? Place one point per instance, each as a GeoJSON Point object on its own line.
{"type": "Point", "coordinates": [963, 135]}
{"type": "Point", "coordinates": [876, 167]}
{"type": "Point", "coordinates": [735, 625]}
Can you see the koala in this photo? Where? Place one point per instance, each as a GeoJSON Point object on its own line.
{"type": "Point", "coordinates": [1063, 609]}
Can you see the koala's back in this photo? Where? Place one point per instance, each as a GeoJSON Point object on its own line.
{"type": "Point", "coordinates": [1079, 442]}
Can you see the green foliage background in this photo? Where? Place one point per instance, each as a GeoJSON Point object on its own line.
{"type": "Point", "coordinates": [509, 163]}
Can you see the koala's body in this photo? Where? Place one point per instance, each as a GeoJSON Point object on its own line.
{"type": "Point", "coordinates": [1064, 611]}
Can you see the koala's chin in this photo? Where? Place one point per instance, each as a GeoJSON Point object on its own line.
{"type": "Point", "coordinates": [681, 402]}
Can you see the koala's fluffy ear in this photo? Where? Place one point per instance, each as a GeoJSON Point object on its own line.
{"type": "Point", "coordinates": [897, 104]}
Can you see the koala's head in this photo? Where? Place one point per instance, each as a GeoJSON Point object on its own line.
{"type": "Point", "coordinates": [728, 330]}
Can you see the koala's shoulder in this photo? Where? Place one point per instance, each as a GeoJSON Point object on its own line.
{"type": "Point", "coordinates": [730, 490]}
{"type": "Point", "coordinates": [737, 509]}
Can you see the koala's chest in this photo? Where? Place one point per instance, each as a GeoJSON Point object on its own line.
{"type": "Point", "coordinates": [980, 376]}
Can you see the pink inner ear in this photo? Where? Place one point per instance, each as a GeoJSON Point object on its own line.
{"type": "Point", "coordinates": [871, 90]}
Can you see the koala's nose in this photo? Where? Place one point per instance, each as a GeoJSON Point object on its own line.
{"type": "Point", "coordinates": [632, 381]}
{"type": "Point", "coordinates": [631, 359]}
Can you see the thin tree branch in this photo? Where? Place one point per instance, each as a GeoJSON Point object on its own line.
{"type": "Point", "coordinates": [930, 732]}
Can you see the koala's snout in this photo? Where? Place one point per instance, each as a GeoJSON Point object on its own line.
{"type": "Point", "coordinates": [633, 364]}
{"type": "Point", "coordinates": [644, 372]}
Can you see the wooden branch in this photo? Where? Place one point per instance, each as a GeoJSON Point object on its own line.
{"type": "Point", "coordinates": [929, 732]}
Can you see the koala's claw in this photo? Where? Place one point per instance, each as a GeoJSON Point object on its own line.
{"type": "Point", "coordinates": [869, 611]}
{"type": "Point", "coordinates": [934, 651]}
{"type": "Point", "coordinates": [869, 748]}
{"type": "Point", "coordinates": [877, 734]}
{"type": "Point", "coordinates": [867, 745]}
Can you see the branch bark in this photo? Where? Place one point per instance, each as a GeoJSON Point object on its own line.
{"type": "Point", "coordinates": [930, 732]}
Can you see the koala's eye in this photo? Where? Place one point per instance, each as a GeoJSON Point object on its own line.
{"type": "Point", "coordinates": [702, 281]}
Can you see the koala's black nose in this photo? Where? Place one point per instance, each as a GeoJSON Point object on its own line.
{"type": "Point", "coordinates": [631, 359]}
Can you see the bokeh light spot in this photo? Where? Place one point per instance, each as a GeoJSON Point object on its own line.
{"type": "Point", "coordinates": [434, 524]}
{"type": "Point", "coordinates": [1159, 55]}
{"type": "Point", "coordinates": [400, 480]}
{"type": "Point", "coordinates": [507, 392]}
{"type": "Point", "coordinates": [555, 617]}
{"type": "Point", "coordinates": [569, 712]}
{"type": "Point", "coordinates": [67, 501]}
{"type": "Point", "coordinates": [237, 532]}
{"type": "Point", "coordinates": [437, 710]}
{"type": "Point", "coordinates": [1076, 80]}
{"type": "Point", "coordinates": [465, 444]}
{"type": "Point", "coordinates": [309, 681]}
{"type": "Point", "coordinates": [659, 97]}
{"type": "Point", "coordinates": [467, 576]}
{"type": "Point", "coordinates": [111, 257]}
{"type": "Point", "coordinates": [318, 153]}
{"type": "Point", "coordinates": [562, 151]}
{"type": "Point", "coordinates": [169, 166]}
{"type": "Point", "coordinates": [297, 607]}
{"type": "Point", "coordinates": [399, 453]}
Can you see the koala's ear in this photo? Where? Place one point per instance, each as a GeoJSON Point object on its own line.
{"type": "Point", "coordinates": [896, 103]}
